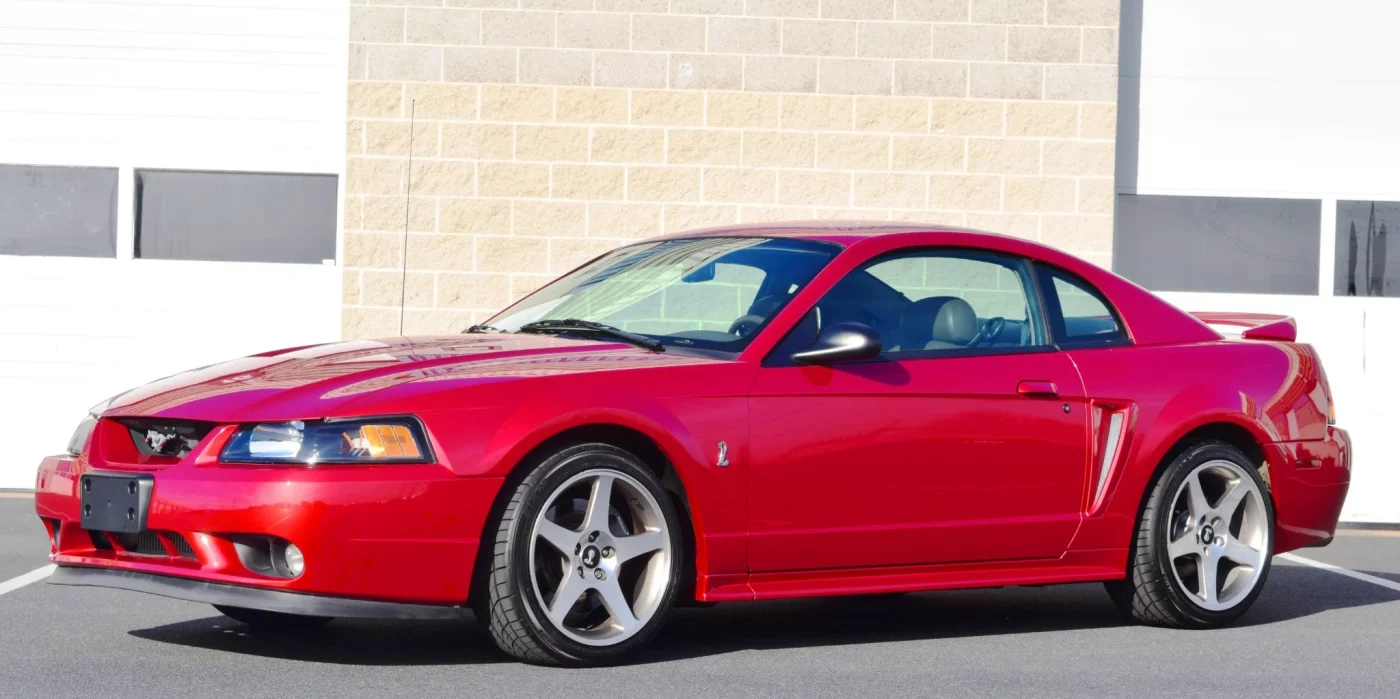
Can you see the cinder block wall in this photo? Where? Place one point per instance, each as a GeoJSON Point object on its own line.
{"type": "Point", "coordinates": [548, 131]}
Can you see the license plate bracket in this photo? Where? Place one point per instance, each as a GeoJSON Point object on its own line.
{"type": "Point", "coordinates": [115, 502]}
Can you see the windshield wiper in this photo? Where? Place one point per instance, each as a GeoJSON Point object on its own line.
{"type": "Point", "coordinates": [588, 326]}
{"type": "Point", "coordinates": [482, 329]}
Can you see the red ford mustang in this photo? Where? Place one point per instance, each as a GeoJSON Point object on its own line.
{"type": "Point", "coordinates": [735, 414]}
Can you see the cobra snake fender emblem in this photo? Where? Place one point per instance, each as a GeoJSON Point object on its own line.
{"type": "Point", "coordinates": [723, 461]}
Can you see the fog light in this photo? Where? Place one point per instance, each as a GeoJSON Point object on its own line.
{"type": "Point", "coordinates": [295, 561]}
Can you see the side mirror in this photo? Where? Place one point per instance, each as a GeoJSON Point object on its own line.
{"type": "Point", "coordinates": [841, 342]}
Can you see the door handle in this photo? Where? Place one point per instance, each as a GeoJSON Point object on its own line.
{"type": "Point", "coordinates": [1037, 389]}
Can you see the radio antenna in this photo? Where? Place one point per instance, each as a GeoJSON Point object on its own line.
{"type": "Point", "coordinates": [407, 205]}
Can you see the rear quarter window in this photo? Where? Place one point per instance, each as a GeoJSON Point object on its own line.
{"type": "Point", "coordinates": [1079, 314]}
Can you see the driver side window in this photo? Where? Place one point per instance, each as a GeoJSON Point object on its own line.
{"type": "Point", "coordinates": [937, 301]}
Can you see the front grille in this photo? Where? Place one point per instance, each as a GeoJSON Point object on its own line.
{"type": "Point", "coordinates": [181, 546]}
{"type": "Point", "coordinates": [147, 543]}
{"type": "Point", "coordinates": [170, 438]}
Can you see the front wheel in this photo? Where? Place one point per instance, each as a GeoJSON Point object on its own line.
{"type": "Point", "coordinates": [586, 561]}
{"type": "Point", "coordinates": [1204, 542]}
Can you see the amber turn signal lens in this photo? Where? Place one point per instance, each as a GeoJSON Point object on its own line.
{"type": "Point", "coordinates": [381, 442]}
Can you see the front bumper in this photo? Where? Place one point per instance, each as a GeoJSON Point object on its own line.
{"type": "Point", "coordinates": [394, 533]}
{"type": "Point", "coordinates": [1309, 481]}
{"type": "Point", "coordinates": [249, 597]}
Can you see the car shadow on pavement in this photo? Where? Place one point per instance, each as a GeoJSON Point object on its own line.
{"type": "Point", "coordinates": [1292, 592]}
{"type": "Point", "coordinates": [343, 641]}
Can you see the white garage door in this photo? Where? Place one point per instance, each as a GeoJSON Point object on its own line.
{"type": "Point", "coordinates": [183, 240]}
{"type": "Point", "coordinates": [1248, 114]}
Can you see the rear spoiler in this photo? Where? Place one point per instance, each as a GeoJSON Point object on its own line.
{"type": "Point", "coordinates": [1257, 326]}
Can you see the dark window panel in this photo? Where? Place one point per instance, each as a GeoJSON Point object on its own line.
{"type": "Point", "coordinates": [937, 301]}
{"type": "Point", "coordinates": [58, 211]}
{"type": "Point", "coordinates": [1365, 267]}
{"type": "Point", "coordinates": [235, 217]}
{"type": "Point", "coordinates": [1079, 315]}
{"type": "Point", "coordinates": [1222, 244]}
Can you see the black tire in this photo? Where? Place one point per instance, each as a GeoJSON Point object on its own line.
{"type": "Point", "coordinates": [1151, 594]}
{"type": "Point", "coordinates": [513, 613]}
{"type": "Point", "coordinates": [281, 621]}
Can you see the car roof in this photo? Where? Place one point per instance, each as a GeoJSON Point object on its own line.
{"type": "Point", "coordinates": [1150, 320]}
{"type": "Point", "coordinates": [841, 232]}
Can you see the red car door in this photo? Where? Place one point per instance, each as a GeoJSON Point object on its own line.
{"type": "Point", "coordinates": [955, 445]}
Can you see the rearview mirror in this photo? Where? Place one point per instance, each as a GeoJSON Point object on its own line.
{"type": "Point", "coordinates": [703, 273]}
{"type": "Point", "coordinates": [841, 342]}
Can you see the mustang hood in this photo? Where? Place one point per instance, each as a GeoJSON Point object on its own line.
{"type": "Point", "coordinates": [322, 380]}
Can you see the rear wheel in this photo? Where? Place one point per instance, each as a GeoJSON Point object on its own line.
{"type": "Point", "coordinates": [263, 619]}
{"type": "Point", "coordinates": [586, 562]}
{"type": "Point", "coordinates": [1204, 542]}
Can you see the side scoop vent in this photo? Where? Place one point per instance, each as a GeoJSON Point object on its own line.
{"type": "Point", "coordinates": [1112, 424]}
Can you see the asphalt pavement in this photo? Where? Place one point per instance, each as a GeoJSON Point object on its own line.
{"type": "Point", "coordinates": [1313, 632]}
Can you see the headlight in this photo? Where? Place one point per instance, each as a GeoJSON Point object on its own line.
{"type": "Point", "coordinates": [367, 440]}
{"type": "Point", "coordinates": [80, 435]}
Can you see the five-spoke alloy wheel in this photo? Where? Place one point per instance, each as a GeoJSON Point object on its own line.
{"type": "Point", "coordinates": [586, 560]}
{"type": "Point", "coordinates": [1204, 543]}
{"type": "Point", "coordinates": [1217, 534]}
{"type": "Point", "coordinates": [604, 576]}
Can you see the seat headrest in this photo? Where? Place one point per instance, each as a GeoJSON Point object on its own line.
{"type": "Point", "coordinates": [941, 319]}
{"type": "Point", "coordinates": [956, 323]}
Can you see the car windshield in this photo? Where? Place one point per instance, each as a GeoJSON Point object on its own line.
{"type": "Point", "coordinates": [705, 293]}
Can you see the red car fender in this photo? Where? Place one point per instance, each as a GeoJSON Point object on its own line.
{"type": "Point", "coordinates": [1148, 445]}
{"type": "Point", "coordinates": [536, 421]}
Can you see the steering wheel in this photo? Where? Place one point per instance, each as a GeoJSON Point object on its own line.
{"type": "Point", "coordinates": [989, 331]}
{"type": "Point", "coordinates": [744, 325]}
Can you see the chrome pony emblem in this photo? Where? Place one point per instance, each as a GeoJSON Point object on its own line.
{"type": "Point", "coordinates": [723, 461]}
{"type": "Point", "coordinates": [157, 440]}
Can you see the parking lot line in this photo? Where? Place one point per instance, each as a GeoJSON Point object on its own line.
{"type": "Point", "coordinates": [32, 576]}
{"type": "Point", "coordinates": [1342, 571]}
{"type": "Point", "coordinates": [1368, 532]}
